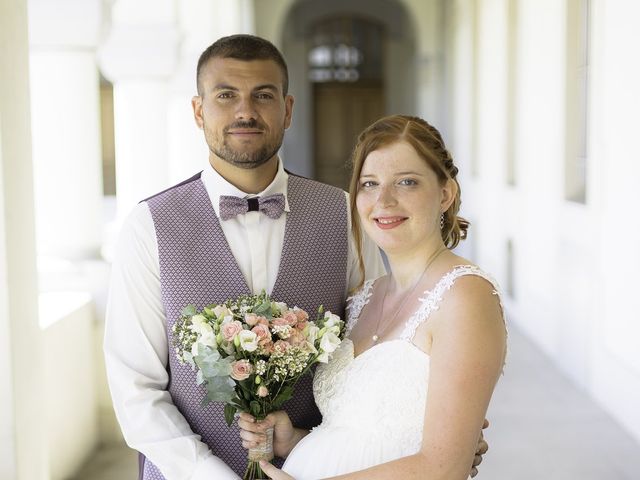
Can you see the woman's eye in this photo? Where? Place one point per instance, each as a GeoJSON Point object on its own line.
{"type": "Point", "coordinates": [368, 184]}
{"type": "Point", "coordinates": [408, 181]}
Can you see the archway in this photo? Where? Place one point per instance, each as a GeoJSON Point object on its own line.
{"type": "Point", "coordinates": [350, 62]}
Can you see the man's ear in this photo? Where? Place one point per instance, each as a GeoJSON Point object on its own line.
{"type": "Point", "coordinates": [196, 104]}
{"type": "Point", "coordinates": [288, 105]}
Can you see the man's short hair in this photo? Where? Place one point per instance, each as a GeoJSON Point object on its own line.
{"type": "Point", "coordinates": [243, 47]}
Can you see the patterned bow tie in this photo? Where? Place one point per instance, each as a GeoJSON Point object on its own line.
{"type": "Point", "coordinates": [272, 206]}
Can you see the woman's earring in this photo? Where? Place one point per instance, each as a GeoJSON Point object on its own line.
{"type": "Point", "coordinates": [441, 221]}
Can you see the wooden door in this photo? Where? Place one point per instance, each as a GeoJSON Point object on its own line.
{"type": "Point", "coordinates": [342, 111]}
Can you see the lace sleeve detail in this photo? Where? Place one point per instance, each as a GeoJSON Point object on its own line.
{"type": "Point", "coordinates": [356, 303]}
{"type": "Point", "coordinates": [431, 301]}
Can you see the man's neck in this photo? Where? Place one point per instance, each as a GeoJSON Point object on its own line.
{"type": "Point", "coordinates": [248, 180]}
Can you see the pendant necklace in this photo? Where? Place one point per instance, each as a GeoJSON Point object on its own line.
{"type": "Point", "coordinates": [377, 332]}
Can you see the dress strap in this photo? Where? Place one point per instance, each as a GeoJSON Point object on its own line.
{"type": "Point", "coordinates": [356, 303]}
{"type": "Point", "coordinates": [431, 301]}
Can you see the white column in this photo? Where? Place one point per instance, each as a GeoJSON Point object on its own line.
{"type": "Point", "coordinates": [202, 22]}
{"type": "Point", "coordinates": [138, 57]}
{"type": "Point", "coordinates": [66, 126]}
{"type": "Point", "coordinates": [22, 422]}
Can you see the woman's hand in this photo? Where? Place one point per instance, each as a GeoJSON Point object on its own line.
{"type": "Point", "coordinates": [274, 472]}
{"type": "Point", "coordinates": [285, 436]}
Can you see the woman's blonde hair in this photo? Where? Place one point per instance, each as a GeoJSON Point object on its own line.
{"type": "Point", "coordinates": [428, 143]}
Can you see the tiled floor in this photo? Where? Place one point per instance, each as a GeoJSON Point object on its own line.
{"type": "Point", "coordinates": [542, 428]}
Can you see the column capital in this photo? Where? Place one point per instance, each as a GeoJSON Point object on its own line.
{"type": "Point", "coordinates": [65, 23]}
{"type": "Point", "coordinates": [139, 51]}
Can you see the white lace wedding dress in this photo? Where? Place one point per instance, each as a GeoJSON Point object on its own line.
{"type": "Point", "coordinates": [372, 405]}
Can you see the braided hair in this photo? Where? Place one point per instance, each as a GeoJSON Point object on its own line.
{"type": "Point", "coordinates": [428, 143]}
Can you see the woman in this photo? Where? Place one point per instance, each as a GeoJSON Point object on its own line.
{"type": "Point", "coordinates": [434, 324]}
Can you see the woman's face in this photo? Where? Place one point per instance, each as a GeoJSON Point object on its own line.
{"type": "Point", "coordinates": [400, 199]}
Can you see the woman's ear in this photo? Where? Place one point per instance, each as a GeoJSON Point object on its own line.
{"type": "Point", "coordinates": [449, 192]}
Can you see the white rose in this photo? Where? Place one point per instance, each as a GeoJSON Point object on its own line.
{"type": "Point", "coordinates": [312, 333]}
{"type": "Point", "coordinates": [194, 349]}
{"type": "Point", "coordinates": [221, 311]}
{"type": "Point", "coordinates": [280, 306]}
{"type": "Point", "coordinates": [329, 342]}
{"type": "Point", "coordinates": [248, 340]}
{"type": "Point", "coordinates": [331, 319]}
{"type": "Point", "coordinates": [208, 338]}
{"type": "Point", "coordinates": [323, 357]}
{"type": "Point", "coordinates": [199, 324]}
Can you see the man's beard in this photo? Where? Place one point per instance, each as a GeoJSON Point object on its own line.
{"type": "Point", "coordinates": [246, 160]}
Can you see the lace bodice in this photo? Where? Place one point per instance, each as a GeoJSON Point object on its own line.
{"type": "Point", "coordinates": [383, 390]}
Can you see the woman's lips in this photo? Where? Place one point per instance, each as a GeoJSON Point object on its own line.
{"type": "Point", "coordinates": [386, 223]}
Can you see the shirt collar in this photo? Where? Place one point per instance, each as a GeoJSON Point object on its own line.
{"type": "Point", "coordinates": [216, 185]}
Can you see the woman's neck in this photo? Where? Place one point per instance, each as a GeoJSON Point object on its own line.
{"type": "Point", "coordinates": [406, 268]}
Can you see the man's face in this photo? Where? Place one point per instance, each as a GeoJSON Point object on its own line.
{"type": "Point", "coordinates": [242, 110]}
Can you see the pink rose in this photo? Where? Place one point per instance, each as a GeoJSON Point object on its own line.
{"type": "Point", "coordinates": [262, 391]}
{"type": "Point", "coordinates": [279, 322]}
{"type": "Point", "coordinates": [267, 348]}
{"type": "Point", "coordinates": [263, 333]}
{"type": "Point", "coordinates": [251, 319]}
{"type": "Point", "coordinates": [301, 314]}
{"type": "Point", "coordinates": [241, 370]}
{"type": "Point", "coordinates": [302, 325]}
{"type": "Point", "coordinates": [281, 346]}
{"type": "Point", "coordinates": [230, 330]}
{"type": "Point", "coordinates": [296, 338]}
{"type": "Point", "coordinates": [290, 317]}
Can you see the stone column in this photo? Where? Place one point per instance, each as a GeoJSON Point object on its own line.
{"type": "Point", "coordinates": [22, 452]}
{"type": "Point", "coordinates": [138, 57]}
{"type": "Point", "coordinates": [66, 126]}
{"type": "Point", "coordinates": [202, 22]}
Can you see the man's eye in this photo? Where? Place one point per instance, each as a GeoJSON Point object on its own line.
{"type": "Point", "coordinates": [264, 96]}
{"type": "Point", "coordinates": [225, 95]}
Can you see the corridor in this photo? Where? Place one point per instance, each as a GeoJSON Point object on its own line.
{"type": "Point", "coordinates": [542, 428]}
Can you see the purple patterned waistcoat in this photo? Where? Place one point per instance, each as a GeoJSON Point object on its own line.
{"type": "Point", "coordinates": [197, 267]}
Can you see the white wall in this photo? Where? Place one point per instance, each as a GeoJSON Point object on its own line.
{"type": "Point", "coordinates": [574, 294]}
{"type": "Point", "coordinates": [614, 146]}
{"type": "Point", "coordinates": [22, 449]}
{"type": "Point", "coordinates": [70, 374]}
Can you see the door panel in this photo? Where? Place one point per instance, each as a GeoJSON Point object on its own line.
{"type": "Point", "coordinates": [342, 111]}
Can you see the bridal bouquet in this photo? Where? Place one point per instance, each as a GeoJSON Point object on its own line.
{"type": "Point", "coordinates": [249, 353]}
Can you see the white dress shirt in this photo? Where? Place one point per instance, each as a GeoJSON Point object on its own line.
{"type": "Point", "coordinates": [135, 343]}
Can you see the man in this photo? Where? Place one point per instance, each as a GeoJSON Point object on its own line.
{"type": "Point", "coordinates": [191, 244]}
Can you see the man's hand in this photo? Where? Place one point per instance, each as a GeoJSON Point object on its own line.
{"type": "Point", "coordinates": [285, 436]}
{"type": "Point", "coordinates": [483, 446]}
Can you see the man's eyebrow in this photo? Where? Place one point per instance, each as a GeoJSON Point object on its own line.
{"type": "Point", "coordinates": [266, 86]}
{"type": "Point", "coordinates": [224, 86]}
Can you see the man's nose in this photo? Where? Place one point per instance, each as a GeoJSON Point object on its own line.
{"type": "Point", "coordinates": [246, 109]}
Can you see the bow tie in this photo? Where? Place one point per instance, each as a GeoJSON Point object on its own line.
{"type": "Point", "coordinates": [272, 205]}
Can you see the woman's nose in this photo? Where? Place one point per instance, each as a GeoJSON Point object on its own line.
{"type": "Point", "coordinates": [387, 195]}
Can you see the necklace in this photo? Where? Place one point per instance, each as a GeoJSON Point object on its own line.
{"type": "Point", "coordinates": [377, 332]}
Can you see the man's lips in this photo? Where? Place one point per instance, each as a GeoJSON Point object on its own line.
{"type": "Point", "coordinates": [244, 131]}
{"type": "Point", "coordinates": [386, 223]}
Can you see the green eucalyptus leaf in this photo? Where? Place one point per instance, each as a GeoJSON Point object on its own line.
{"type": "Point", "coordinates": [229, 413]}
{"type": "Point", "coordinates": [283, 396]}
{"type": "Point", "coordinates": [189, 311]}
{"type": "Point", "coordinates": [254, 406]}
